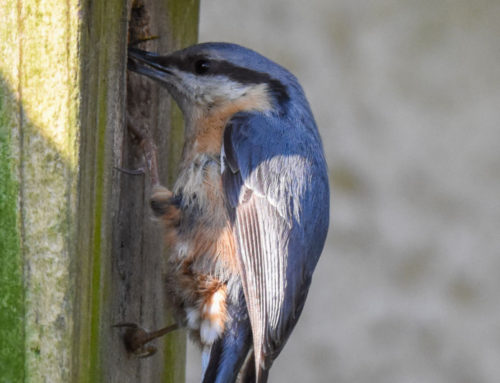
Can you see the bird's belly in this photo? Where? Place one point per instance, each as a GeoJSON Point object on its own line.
{"type": "Point", "coordinates": [203, 252]}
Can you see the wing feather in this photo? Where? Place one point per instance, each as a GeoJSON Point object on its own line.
{"type": "Point", "coordinates": [266, 173]}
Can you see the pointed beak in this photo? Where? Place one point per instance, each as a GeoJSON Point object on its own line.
{"type": "Point", "coordinates": [149, 64]}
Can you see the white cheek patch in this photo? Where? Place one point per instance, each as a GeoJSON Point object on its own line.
{"type": "Point", "coordinates": [220, 88]}
{"type": "Point", "coordinates": [217, 90]}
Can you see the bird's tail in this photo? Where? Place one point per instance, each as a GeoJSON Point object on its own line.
{"type": "Point", "coordinates": [228, 353]}
{"type": "Point", "coordinates": [262, 375]}
{"type": "Point", "coordinates": [249, 374]}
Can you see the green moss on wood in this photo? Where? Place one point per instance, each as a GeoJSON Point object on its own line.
{"type": "Point", "coordinates": [175, 356]}
{"type": "Point", "coordinates": [97, 248]}
{"type": "Point", "coordinates": [11, 275]}
{"type": "Point", "coordinates": [101, 39]}
{"type": "Point", "coordinates": [48, 84]}
{"type": "Point", "coordinates": [37, 45]}
{"type": "Point", "coordinates": [43, 47]}
{"type": "Point", "coordinates": [12, 357]}
{"type": "Point", "coordinates": [183, 20]}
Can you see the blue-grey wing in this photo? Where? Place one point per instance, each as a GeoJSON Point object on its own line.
{"type": "Point", "coordinates": [275, 181]}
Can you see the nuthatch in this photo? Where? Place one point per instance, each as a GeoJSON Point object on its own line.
{"type": "Point", "coordinates": [248, 215]}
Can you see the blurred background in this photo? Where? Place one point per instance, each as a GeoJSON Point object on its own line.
{"type": "Point", "coordinates": [407, 98]}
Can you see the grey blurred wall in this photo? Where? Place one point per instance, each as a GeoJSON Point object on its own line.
{"type": "Point", "coordinates": [407, 98]}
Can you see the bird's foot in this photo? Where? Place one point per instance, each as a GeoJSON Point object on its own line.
{"type": "Point", "coordinates": [161, 200]}
{"type": "Point", "coordinates": [136, 338]}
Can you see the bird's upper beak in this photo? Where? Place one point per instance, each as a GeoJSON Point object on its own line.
{"type": "Point", "coordinates": [149, 64]}
{"type": "Point", "coordinates": [163, 69]}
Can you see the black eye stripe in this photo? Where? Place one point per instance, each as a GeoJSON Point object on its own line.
{"type": "Point", "coordinates": [225, 68]}
{"type": "Point", "coordinates": [248, 76]}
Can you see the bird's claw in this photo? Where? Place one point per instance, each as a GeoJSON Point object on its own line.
{"type": "Point", "coordinates": [135, 339]}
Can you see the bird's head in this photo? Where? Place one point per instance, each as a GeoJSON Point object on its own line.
{"type": "Point", "coordinates": [209, 76]}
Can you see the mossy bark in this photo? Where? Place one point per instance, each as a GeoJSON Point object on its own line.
{"type": "Point", "coordinates": [78, 248]}
{"type": "Point", "coordinates": [11, 271]}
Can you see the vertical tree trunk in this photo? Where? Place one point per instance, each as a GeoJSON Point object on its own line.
{"type": "Point", "coordinates": [78, 247]}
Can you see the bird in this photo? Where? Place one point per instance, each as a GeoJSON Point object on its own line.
{"type": "Point", "coordinates": [247, 217]}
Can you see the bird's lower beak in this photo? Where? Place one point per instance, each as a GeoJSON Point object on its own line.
{"type": "Point", "coordinates": [148, 64]}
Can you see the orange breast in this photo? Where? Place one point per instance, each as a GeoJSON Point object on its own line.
{"type": "Point", "coordinates": [204, 259]}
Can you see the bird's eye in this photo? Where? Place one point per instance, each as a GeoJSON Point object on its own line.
{"type": "Point", "coordinates": [201, 66]}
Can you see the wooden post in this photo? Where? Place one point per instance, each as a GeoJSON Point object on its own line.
{"type": "Point", "coordinates": [78, 246]}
